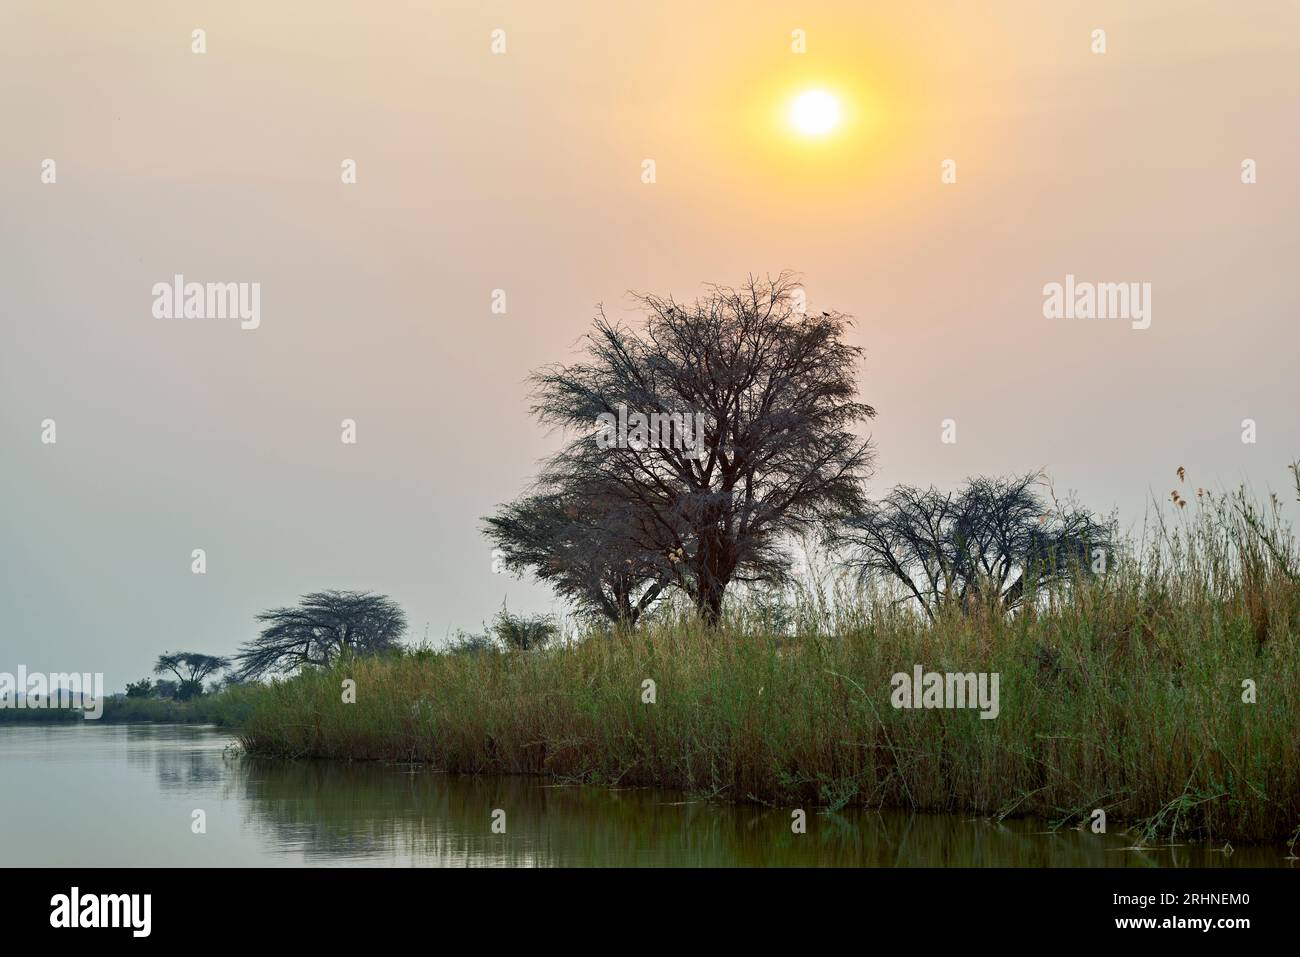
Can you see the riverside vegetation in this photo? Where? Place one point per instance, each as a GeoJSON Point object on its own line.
{"type": "Point", "coordinates": [1121, 692]}
{"type": "Point", "coordinates": [1124, 692]}
{"type": "Point", "coordinates": [1152, 680]}
{"type": "Point", "coordinates": [228, 708]}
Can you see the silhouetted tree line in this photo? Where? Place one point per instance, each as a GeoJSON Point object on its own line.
{"type": "Point", "coordinates": [321, 628]}
{"type": "Point", "coordinates": [761, 408]}
{"type": "Point", "coordinates": [613, 527]}
{"type": "Point", "coordinates": [190, 668]}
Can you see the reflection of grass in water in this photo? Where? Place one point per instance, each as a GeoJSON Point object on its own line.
{"type": "Point", "coordinates": [1124, 696]}
{"type": "Point", "coordinates": [372, 813]}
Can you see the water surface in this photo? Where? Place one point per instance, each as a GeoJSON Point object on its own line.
{"type": "Point", "coordinates": [89, 794]}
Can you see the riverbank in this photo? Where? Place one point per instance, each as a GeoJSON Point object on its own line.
{"type": "Point", "coordinates": [228, 709]}
{"type": "Point", "coordinates": [147, 779]}
{"type": "Point", "coordinates": [1128, 698]}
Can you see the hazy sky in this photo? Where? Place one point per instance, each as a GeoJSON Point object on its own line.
{"type": "Point", "coordinates": [522, 171]}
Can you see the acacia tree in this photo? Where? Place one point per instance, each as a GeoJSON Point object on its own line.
{"type": "Point", "coordinates": [322, 626]}
{"type": "Point", "coordinates": [589, 544]}
{"type": "Point", "coordinates": [777, 455]}
{"type": "Point", "coordinates": [190, 669]}
{"type": "Point", "coordinates": [990, 542]}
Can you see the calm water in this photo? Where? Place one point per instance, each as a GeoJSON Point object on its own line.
{"type": "Point", "coordinates": [104, 795]}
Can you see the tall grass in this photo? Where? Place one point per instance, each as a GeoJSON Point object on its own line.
{"type": "Point", "coordinates": [1122, 692]}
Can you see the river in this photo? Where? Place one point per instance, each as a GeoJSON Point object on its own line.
{"type": "Point", "coordinates": [90, 794]}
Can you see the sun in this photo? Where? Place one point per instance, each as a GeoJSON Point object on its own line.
{"type": "Point", "coordinates": [815, 113]}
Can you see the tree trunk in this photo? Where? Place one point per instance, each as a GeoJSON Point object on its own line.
{"type": "Point", "coordinates": [714, 567]}
{"type": "Point", "coordinates": [709, 605]}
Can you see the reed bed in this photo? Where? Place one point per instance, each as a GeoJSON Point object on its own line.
{"type": "Point", "coordinates": [1121, 692]}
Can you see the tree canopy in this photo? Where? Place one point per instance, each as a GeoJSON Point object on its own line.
{"type": "Point", "coordinates": [775, 452]}
{"type": "Point", "coordinates": [989, 541]}
{"type": "Point", "coordinates": [322, 626]}
{"type": "Point", "coordinates": [592, 547]}
{"type": "Point", "coordinates": [190, 668]}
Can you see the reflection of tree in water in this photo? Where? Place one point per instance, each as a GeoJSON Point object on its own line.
{"type": "Point", "coordinates": [370, 813]}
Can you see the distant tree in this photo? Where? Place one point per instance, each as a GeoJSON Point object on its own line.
{"type": "Point", "coordinates": [987, 543]}
{"type": "Point", "coordinates": [140, 689]}
{"type": "Point", "coordinates": [320, 628]}
{"type": "Point", "coordinates": [218, 686]}
{"type": "Point", "coordinates": [592, 547]}
{"type": "Point", "coordinates": [524, 633]}
{"type": "Point", "coordinates": [467, 643]}
{"type": "Point", "coordinates": [190, 669]}
{"type": "Point", "coordinates": [162, 688]}
{"type": "Point", "coordinates": [775, 391]}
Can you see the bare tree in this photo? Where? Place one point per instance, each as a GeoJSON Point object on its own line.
{"type": "Point", "coordinates": [190, 669]}
{"type": "Point", "coordinates": [593, 547]}
{"type": "Point", "coordinates": [990, 542]}
{"type": "Point", "coordinates": [321, 627]}
{"type": "Point", "coordinates": [775, 453]}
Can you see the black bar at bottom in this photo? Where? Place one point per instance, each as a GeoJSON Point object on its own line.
{"type": "Point", "coordinates": [299, 906]}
